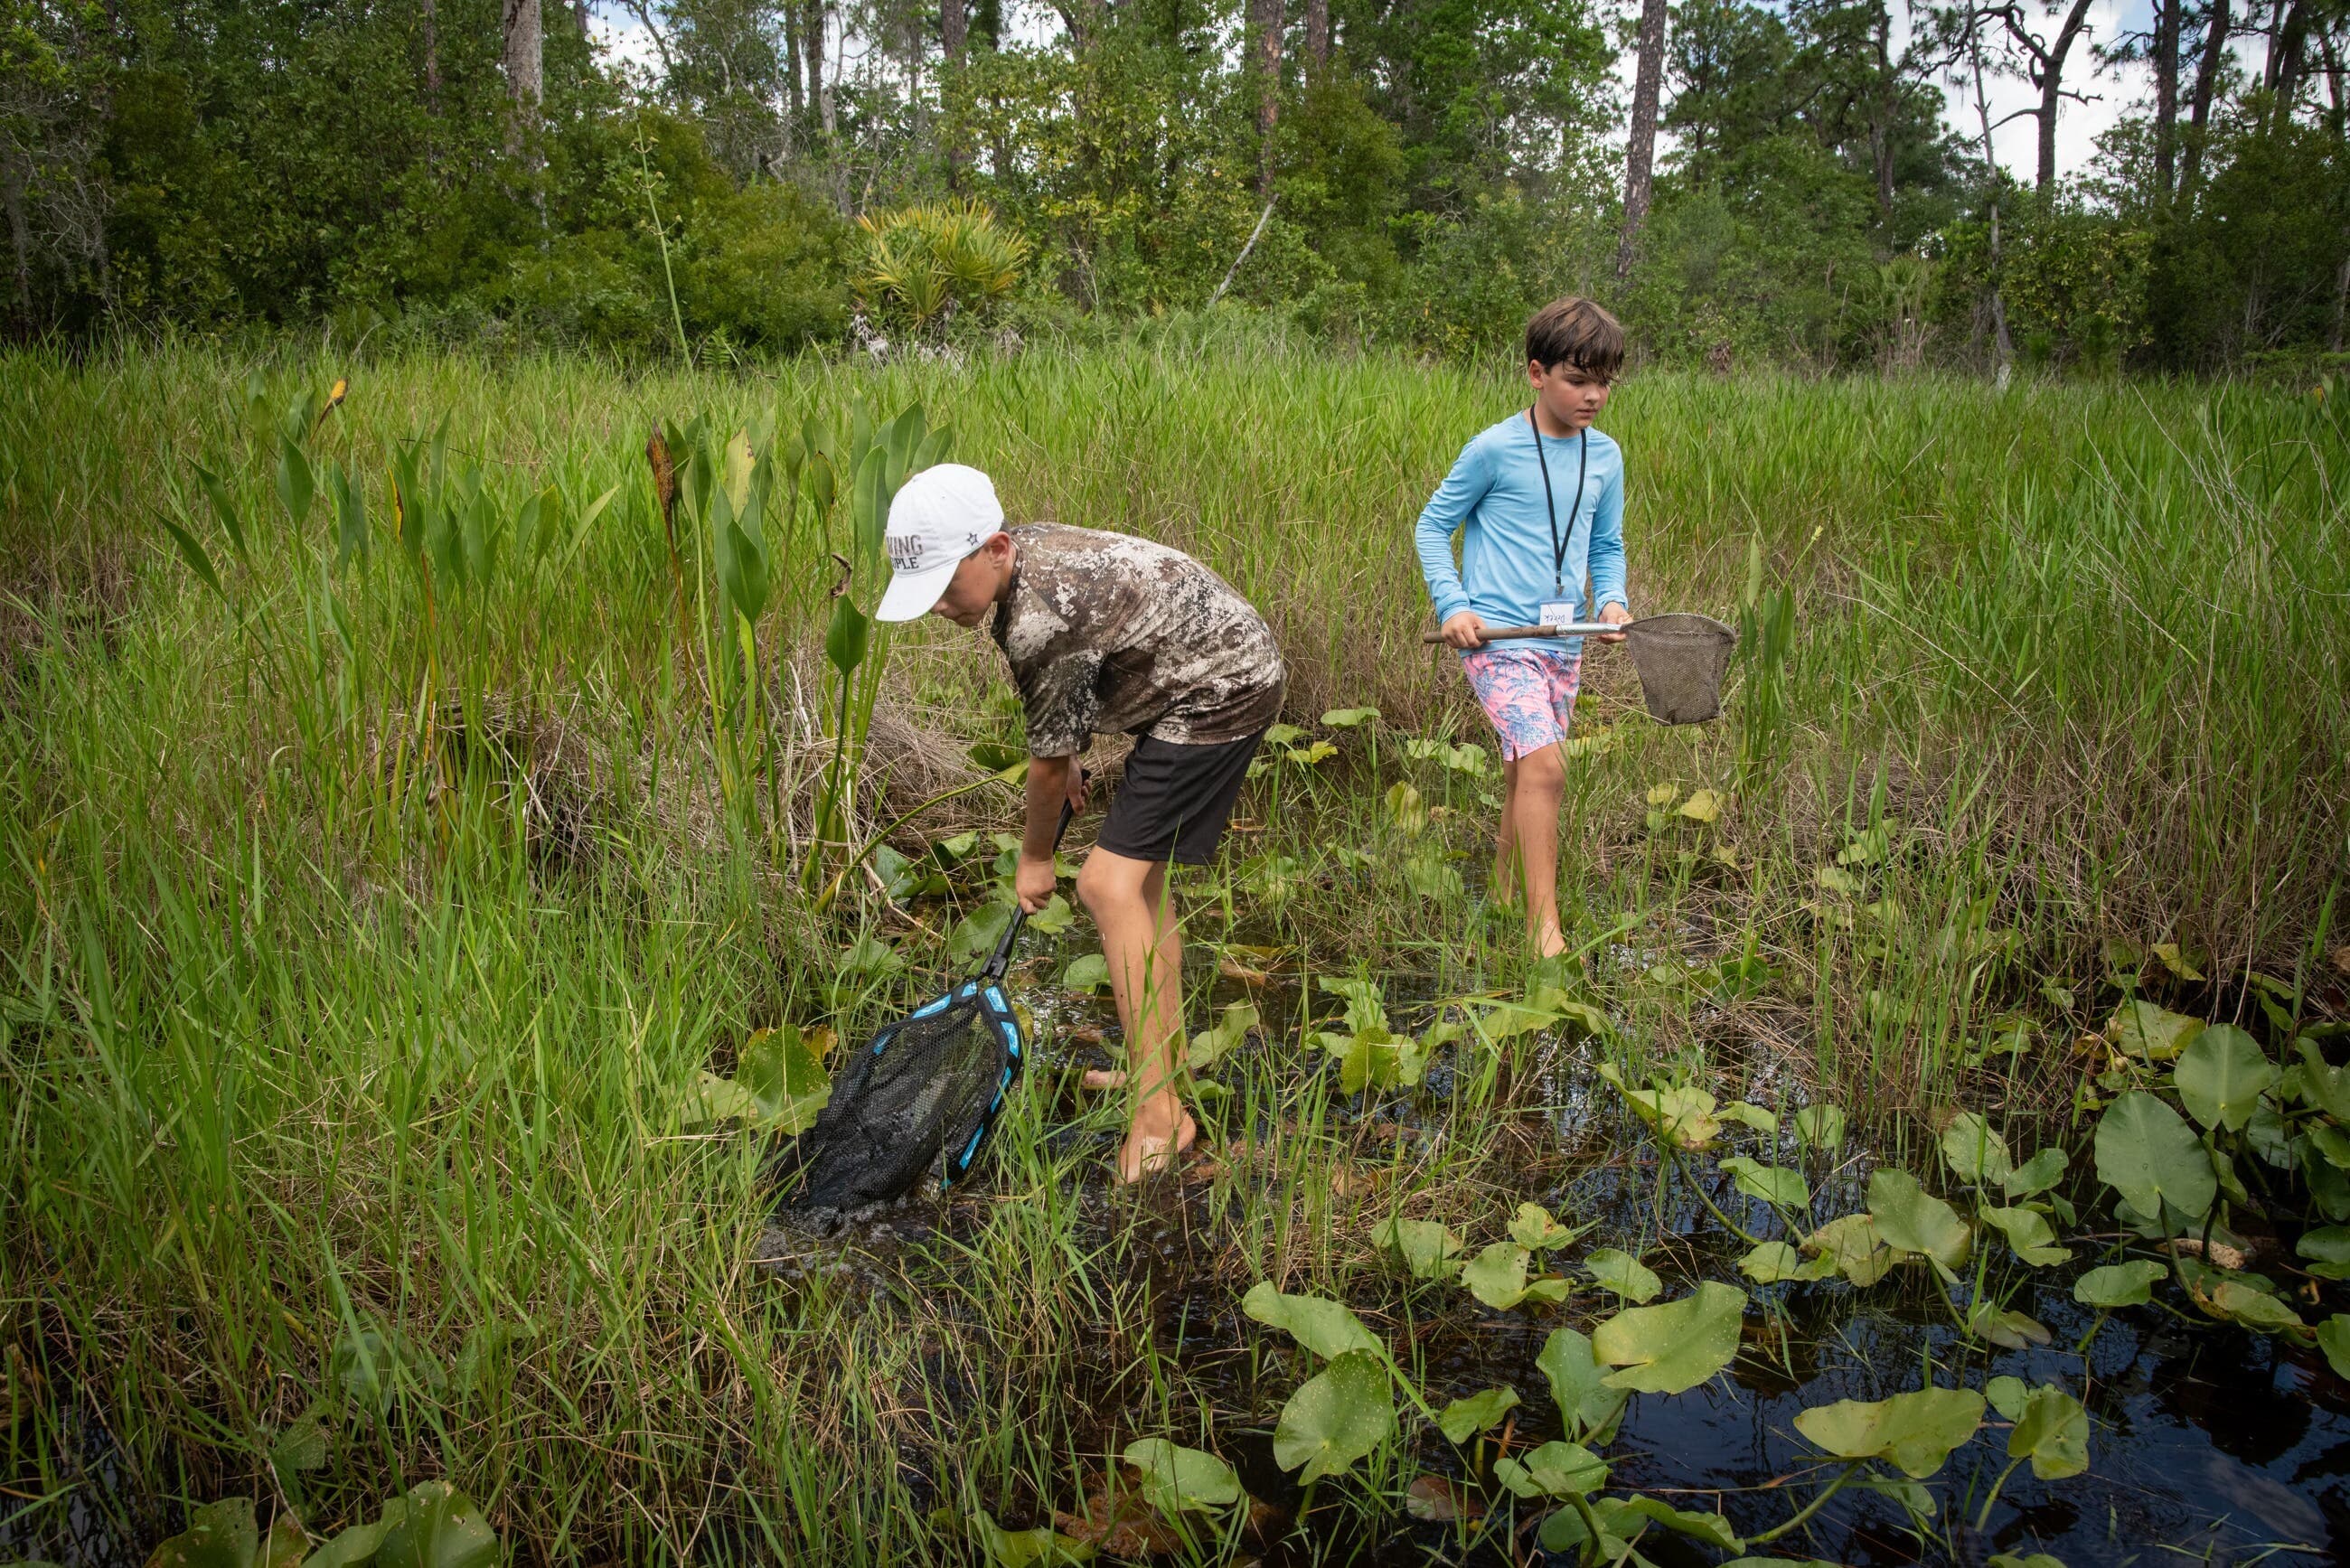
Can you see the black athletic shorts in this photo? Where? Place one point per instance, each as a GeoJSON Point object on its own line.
{"type": "Point", "coordinates": [1175, 800]}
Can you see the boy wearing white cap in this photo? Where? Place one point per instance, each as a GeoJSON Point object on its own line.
{"type": "Point", "coordinates": [1105, 632]}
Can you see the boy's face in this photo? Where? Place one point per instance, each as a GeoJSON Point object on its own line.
{"type": "Point", "coordinates": [1571, 395]}
{"type": "Point", "coordinates": [978, 582]}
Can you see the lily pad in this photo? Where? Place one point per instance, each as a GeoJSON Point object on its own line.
{"type": "Point", "coordinates": [1820, 1127]}
{"type": "Point", "coordinates": [2147, 1152]}
{"type": "Point", "coordinates": [1617, 1514]}
{"type": "Point", "coordinates": [218, 1535]}
{"type": "Point", "coordinates": [1915, 1431]}
{"type": "Point", "coordinates": [1625, 1275]}
{"type": "Point", "coordinates": [2221, 1075]}
{"type": "Point", "coordinates": [1348, 718]}
{"type": "Point", "coordinates": [2141, 1030]}
{"type": "Point", "coordinates": [1747, 1114]}
{"type": "Point", "coordinates": [2333, 1338]}
{"type": "Point", "coordinates": [1854, 1246]}
{"type": "Point", "coordinates": [1771, 1261]}
{"type": "Point", "coordinates": [1087, 974]}
{"type": "Point", "coordinates": [2004, 1326]}
{"type": "Point", "coordinates": [1680, 1113]}
{"type": "Point", "coordinates": [1975, 1151]}
{"type": "Point", "coordinates": [1337, 1418]}
{"type": "Point", "coordinates": [1464, 1418]}
{"type": "Point", "coordinates": [1702, 805]}
{"type": "Point", "coordinates": [2043, 1170]}
{"type": "Point", "coordinates": [1554, 1470]}
{"type": "Point", "coordinates": [2119, 1284]}
{"type": "Point", "coordinates": [1579, 1386]}
{"type": "Point", "coordinates": [1771, 1184]}
{"type": "Point", "coordinates": [1674, 1347]}
{"type": "Point", "coordinates": [1533, 1228]}
{"type": "Point", "coordinates": [440, 1528]}
{"type": "Point", "coordinates": [2054, 1429]}
{"type": "Point", "coordinates": [1911, 1220]}
{"type": "Point", "coordinates": [2028, 1235]}
{"type": "Point", "coordinates": [2328, 1252]}
{"type": "Point", "coordinates": [1025, 1548]}
{"type": "Point", "coordinates": [2243, 1303]}
{"type": "Point", "coordinates": [1497, 1276]}
{"type": "Point", "coordinates": [1211, 1044]}
{"type": "Point", "coordinates": [1327, 1328]}
{"type": "Point", "coordinates": [1179, 1481]}
{"type": "Point", "coordinates": [976, 934]}
{"type": "Point", "coordinates": [1425, 1247]}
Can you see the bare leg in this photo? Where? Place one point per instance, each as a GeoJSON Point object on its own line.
{"type": "Point", "coordinates": [1127, 898]}
{"type": "Point", "coordinates": [1536, 787]}
{"type": "Point", "coordinates": [1505, 840]}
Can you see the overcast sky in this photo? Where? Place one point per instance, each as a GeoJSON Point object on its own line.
{"type": "Point", "coordinates": [2113, 92]}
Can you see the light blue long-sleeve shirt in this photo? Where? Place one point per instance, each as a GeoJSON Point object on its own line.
{"type": "Point", "coordinates": [1494, 494]}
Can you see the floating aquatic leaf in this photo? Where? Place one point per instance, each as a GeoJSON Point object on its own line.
{"type": "Point", "coordinates": [1374, 1058]}
{"type": "Point", "coordinates": [1820, 1127]}
{"type": "Point", "coordinates": [2240, 1301]}
{"type": "Point", "coordinates": [2326, 1088]}
{"type": "Point", "coordinates": [1911, 1220]}
{"type": "Point", "coordinates": [1975, 1151]}
{"type": "Point", "coordinates": [1327, 1328]}
{"type": "Point", "coordinates": [2028, 1234]}
{"type": "Point", "coordinates": [2328, 1252]}
{"type": "Point", "coordinates": [1854, 1246]}
{"type": "Point", "coordinates": [2147, 1152]}
{"type": "Point", "coordinates": [1915, 1431]}
{"type": "Point", "coordinates": [1670, 1348]}
{"type": "Point", "coordinates": [2038, 1174]}
{"type": "Point", "coordinates": [1617, 1514]}
{"type": "Point", "coordinates": [1178, 1479]}
{"type": "Point", "coordinates": [1440, 1499]}
{"type": "Point", "coordinates": [1054, 919]}
{"type": "Point", "coordinates": [1497, 1276]}
{"type": "Point", "coordinates": [1337, 1418]}
{"type": "Point", "coordinates": [1702, 805]}
{"type": "Point", "coordinates": [2333, 1338]}
{"type": "Point", "coordinates": [1230, 1029]}
{"type": "Point", "coordinates": [1554, 1470]}
{"type": "Point", "coordinates": [1751, 1116]}
{"type": "Point", "coordinates": [1624, 1274]}
{"type": "Point", "coordinates": [976, 936]}
{"type": "Point", "coordinates": [2052, 1428]}
{"type": "Point", "coordinates": [2003, 1326]}
{"type": "Point", "coordinates": [1404, 807]}
{"type": "Point", "coordinates": [2176, 961]}
{"type": "Point", "coordinates": [1348, 718]}
{"type": "Point", "coordinates": [1681, 1114]}
{"type": "Point", "coordinates": [1426, 1247]}
{"type": "Point", "coordinates": [1085, 974]}
{"type": "Point", "coordinates": [1772, 1184]}
{"type": "Point", "coordinates": [1025, 1548]}
{"type": "Point", "coordinates": [1771, 1263]}
{"type": "Point", "coordinates": [2221, 1075]}
{"type": "Point", "coordinates": [1664, 795]}
{"type": "Point", "coordinates": [1464, 1418]}
{"type": "Point", "coordinates": [1578, 1386]}
{"type": "Point", "coordinates": [1533, 1228]}
{"type": "Point", "coordinates": [1119, 1520]}
{"type": "Point", "coordinates": [1365, 1007]}
{"type": "Point", "coordinates": [1835, 881]}
{"type": "Point", "coordinates": [218, 1535]}
{"type": "Point", "coordinates": [2024, 1560]}
{"type": "Point", "coordinates": [2119, 1284]}
{"type": "Point", "coordinates": [2140, 1029]}
{"type": "Point", "coordinates": [440, 1528]}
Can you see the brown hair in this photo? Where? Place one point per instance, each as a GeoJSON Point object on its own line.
{"type": "Point", "coordinates": [1577, 332]}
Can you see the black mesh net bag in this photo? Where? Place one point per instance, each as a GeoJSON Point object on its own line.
{"type": "Point", "coordinates": [1681, 659]}
{"type": "Point", "coordinates": [930, 1084]}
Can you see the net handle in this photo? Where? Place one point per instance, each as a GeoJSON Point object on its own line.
{"type": "Point", "coordinates": [1002, 958]}
{"type": "Point", "coordinates": [1572, 628]}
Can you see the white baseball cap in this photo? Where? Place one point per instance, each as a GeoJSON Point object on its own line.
{"type": "Point", "coordinates": [939, 517]}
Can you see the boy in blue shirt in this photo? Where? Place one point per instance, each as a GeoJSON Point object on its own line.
{"type": "Point", "coordinates": [1539, 500]}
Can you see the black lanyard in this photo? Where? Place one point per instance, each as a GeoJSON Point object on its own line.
{"type": "Point", "coordinates": [1558, 550]}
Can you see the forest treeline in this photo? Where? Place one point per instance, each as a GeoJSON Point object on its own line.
{"type": "Point", "coordinates": [1787, 182]}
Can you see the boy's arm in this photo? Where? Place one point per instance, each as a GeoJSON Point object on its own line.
{"type": "Point", "coordinates": [1051, 780]}
{"type": "Point", "coordinates": [1447, 510]}
{"type": "Point", "coordinates": [1607, 555]}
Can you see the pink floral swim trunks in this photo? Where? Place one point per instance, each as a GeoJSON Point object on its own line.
{"type": "Point", "coordinates": [1528, 692]}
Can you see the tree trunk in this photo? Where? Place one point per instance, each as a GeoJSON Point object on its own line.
{"type": "Point", "coordinates": [20, 242]}
{"type": "Point", "coordinates": [1265, 23]}
{"type": "Point", "coordinates": [2002, 344]}
{"type": "Point", "coordinates": [526, 70]}
{"type": "Point", "coordinates": [2052, 90]}
{"type": "Point", "coordinates": [2287, 51]}
{"type": "Point", "coordinates": [2206, 76]}
{"type": "Point", "coordinates": [1640, 152]}
{"type": "Point", "coordinates": [1317, 34]}
{"type": "Point", "coordinates": [953, 27]}
{"type": "Point", "coordinates": [2166, 97]}
{"type": "Point", "coordinates": [1881, 114]}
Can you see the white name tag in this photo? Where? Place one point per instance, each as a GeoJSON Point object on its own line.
{"type": "Point", "coordinates": [1558, 613]}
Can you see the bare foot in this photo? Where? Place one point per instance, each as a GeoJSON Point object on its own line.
{"type": "Point", "coordinates": [1550, 941]}
{"type": "Point", "coordinates": [1103, 1078]}
{"type": "Point", "coordinates": [1148, 1152]}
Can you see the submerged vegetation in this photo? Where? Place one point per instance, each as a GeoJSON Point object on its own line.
{"type": "Point", "coordinates": [452, 833]}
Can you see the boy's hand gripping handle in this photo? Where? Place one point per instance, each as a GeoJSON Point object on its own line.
{"type": "Point", "coordinates": [1002, 958]}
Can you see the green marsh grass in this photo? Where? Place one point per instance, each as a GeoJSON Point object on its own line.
{"type": "Point", "coordinates": [311, 1033]}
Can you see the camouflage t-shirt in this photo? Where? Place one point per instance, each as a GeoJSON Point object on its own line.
{"type": "Point", "coordinates": [1110, 633]}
